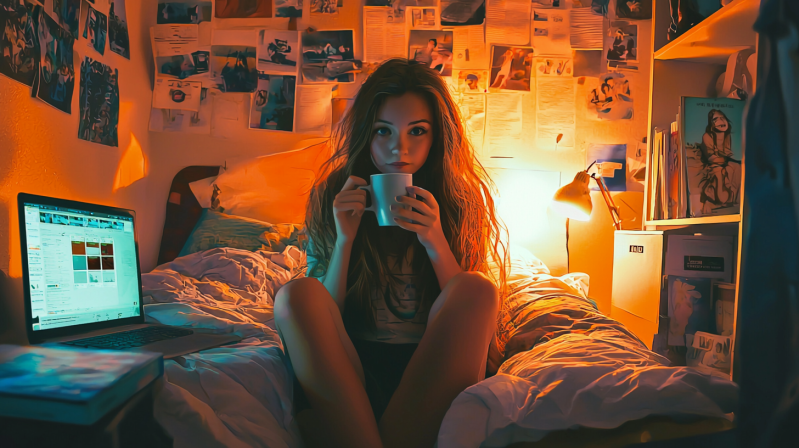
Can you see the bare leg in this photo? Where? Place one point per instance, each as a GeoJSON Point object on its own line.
{"type": "Point", "coordinates": [451, 357]}
{"type": "Point", "coordinates": [326, 364]}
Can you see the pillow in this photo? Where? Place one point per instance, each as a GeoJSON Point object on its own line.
{"type": "Point", "coordinates": [270, 188]}
{"type": "Point", "coordinates": [216, 229]}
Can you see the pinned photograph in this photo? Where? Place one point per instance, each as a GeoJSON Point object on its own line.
{"type": "Point", "coordinates": [462, 12]}
{"type": "Point", "coordinates": [95, 29]}
{"type": "Point", "coordinates": [68, 14]}
{"type": "Point", "coordinates": [424, 18]}
{"type": "Point", "coordinates": [432, 48]}
{"type": "Point", "coordinates": [635, 9]}
{"type": "Point", "coordinates": [621, 43]}
{"type": "Point", "coordinates": [272, 105]}
{"type": "Point", "coordinates": [55, 83]}
{"type": "Point", "coordinates": [99, 103]}
{"type": "Point", "coordinates": [238, 9]}
{"type": "Point", "coordinates": [612, 99]}
{"type": "Point", "coordinates": [511, 67]}
{"type": "Point", "coordinates": [180, 66]}
{"type": "Point", "coordinates": [233, 67]}
{"type": "Point", "coordinates": [397, 13]}
{"type": "Point", "coordinates": [329, 56]}
{"type": "Point", "coordinates": [201, 59]}
{"type": "Point", "coordinates": [20, 54]}
{"type": "Point", "coordinates": [169, 120]}
{"type": "Point", "coordinates": [177, 95]}
{"type": "Point", "coordinates": [326, 6]}
{"type": "Point", "coordinates": [554, 67]}
{"type": "Point", "coordinates": [118, 37]}
{"type": "Point", "coordinates": [288, 8]}
{"type": "Point", "coordinates": [278, 51]}
{"type": "Point", "coordinates": [183, 11]}
{"type": "Point", "coordinates": [472, 81]}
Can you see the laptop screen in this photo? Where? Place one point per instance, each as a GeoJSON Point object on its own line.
{"type": "Point", "coordinates": [82, 266]}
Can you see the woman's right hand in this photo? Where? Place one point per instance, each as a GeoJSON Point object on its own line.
{"type": "Point", "coordinates": [348, 207]}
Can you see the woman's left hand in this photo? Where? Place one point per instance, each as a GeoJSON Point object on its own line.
{"type": "Point", "coordinates": [425, 216]}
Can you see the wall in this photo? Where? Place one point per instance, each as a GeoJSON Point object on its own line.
{"type": "Point", "coordinates": [40, 154]}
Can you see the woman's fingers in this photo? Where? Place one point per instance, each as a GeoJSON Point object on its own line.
{"type": "Point", "coordinates": [352, 183]}
{"type": "Point", "coordinates": [355, 207]}
{"type": "Point", "coordinates": [420, 206]}
{"type": "Point", "coordinates": [415, 228]}
{"type": "Point", "coordinates": [352, 195]}
{"type": "Point", "coordinates": [426, 196]}
{"type": "Point", "coordinates": [411, 215]}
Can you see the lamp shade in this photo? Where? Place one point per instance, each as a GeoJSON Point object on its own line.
{"type": "Point", "coordinates": [574, 200]}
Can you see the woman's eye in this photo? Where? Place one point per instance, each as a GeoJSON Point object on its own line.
{"type": "Point", "coordinates": [418, 131]}
{"type": "Point", "coordinates": [382, 131]}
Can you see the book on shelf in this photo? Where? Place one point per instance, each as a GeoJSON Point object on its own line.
{"type": "Point", "coordinates": [654, 176]}
{"type": "Point", "coordinates": [69, 385]}
{"type": "Point", "coordinates": [710, 135]}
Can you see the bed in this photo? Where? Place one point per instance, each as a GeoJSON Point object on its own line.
{"type": "Point", "coordinates": [568, 375]}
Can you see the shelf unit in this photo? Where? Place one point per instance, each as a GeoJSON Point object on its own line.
{"type": "Point", "coordinates": [690, 66]}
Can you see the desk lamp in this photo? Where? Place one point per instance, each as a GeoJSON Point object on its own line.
{"type": "Point", "coordinates": [574, 200]}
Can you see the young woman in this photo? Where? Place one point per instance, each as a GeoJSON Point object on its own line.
{"type": "Point", "coordinates": [392, 323]}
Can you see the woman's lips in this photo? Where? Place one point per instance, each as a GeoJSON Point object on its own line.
{"type": "Point", "coordinates": [399, 164]}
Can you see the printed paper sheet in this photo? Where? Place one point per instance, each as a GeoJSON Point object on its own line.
{"type": "Point", "coordinates": [504, 123]}
{"type": "Point", "coordinates": [469, 47]}
{"type": "Point", "coordinates": [554, 113]}
{"type": "Point", "coordinates": [314, 112]}
{"type": "Point", "coordinates": [550, 32]}
{"type": "Point", "coordinates": [383, 35]}
{"type": "Point", "coordinates": [508, 22]}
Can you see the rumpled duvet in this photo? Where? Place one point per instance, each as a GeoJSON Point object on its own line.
{"type": "Point", "coordinates": [564, 364]}
{"type": "Point", "coordinates": [567, 365]}
{"type": "Point", "coordinates": [239, 395]}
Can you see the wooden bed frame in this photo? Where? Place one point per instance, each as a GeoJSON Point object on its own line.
{"type": "Point", "coordinates": [182, 211]}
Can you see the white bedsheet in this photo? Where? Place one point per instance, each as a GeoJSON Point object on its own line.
{"type": "Point", "coordinates": [571, 366]}
{"type": "Point", "coordinates": [234, 396]}
{"type": "Point", "coordinates": [566, 364]}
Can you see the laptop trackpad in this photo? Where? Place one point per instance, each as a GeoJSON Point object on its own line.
{"type": "Point", "coordinates": [189, 344]}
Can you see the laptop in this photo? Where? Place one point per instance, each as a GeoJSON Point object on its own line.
{"type": "Point", "coordinates": [82, 281]}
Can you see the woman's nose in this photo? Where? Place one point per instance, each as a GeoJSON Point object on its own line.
{"type": "Point", "coordinates": [401, 145]}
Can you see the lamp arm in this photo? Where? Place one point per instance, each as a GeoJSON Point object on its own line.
{"type": "Point", "coordinates": [614, 210]}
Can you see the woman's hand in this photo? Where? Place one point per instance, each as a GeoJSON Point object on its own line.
{"type": "Point", "coordinates": [426, 220]}
{"type": "Point", "coordinates": [348, 207]}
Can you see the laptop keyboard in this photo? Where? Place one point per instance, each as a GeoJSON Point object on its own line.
{"type": "Point", "coordinates": [130, 339]}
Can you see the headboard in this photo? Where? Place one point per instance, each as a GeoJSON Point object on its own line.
{"type": "Point", "coordinates": [182, 211]}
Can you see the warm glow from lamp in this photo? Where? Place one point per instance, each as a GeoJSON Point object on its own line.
{"type": "Point", "coordinates": [574, 200]}
{"type": "Point", "coordinates": [132, 165]}
{"type": "Point", "coordinates": [522, 199]}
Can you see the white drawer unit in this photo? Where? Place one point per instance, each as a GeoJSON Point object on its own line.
{"type": "Point", "coordinates": [637, 272]}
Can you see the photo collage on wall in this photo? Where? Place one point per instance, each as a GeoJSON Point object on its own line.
{"type": "Point", "coordinates": [37, 44]}
{"type": "Point", "coordinates": [463, 41]}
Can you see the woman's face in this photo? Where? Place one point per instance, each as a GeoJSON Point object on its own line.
{"type": "Point", "coordinates": [719, 122]}
{"type": "Point", "coordinates": [402, 134]}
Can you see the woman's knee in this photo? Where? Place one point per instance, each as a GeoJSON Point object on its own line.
{"type": "Point", "coordinates": [298, 295]}
{"type": "Point", "coordinates": [477, 286]}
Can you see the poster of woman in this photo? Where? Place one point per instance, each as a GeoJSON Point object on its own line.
{"type": "Point", "coordinates": [712, 134]}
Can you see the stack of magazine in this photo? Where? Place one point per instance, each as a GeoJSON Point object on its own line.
{"type": "Point", "coordinates": [695, 166]}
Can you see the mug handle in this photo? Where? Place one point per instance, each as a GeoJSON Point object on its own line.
{"type": "Point", "coordinates": [368, 188]}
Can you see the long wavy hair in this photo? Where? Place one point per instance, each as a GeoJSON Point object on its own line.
{"type": "Point", "coordinates": [451, 173]}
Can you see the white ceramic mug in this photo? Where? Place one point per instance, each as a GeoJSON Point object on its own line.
{"type": "Point", "coordinates": [384, 190]}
